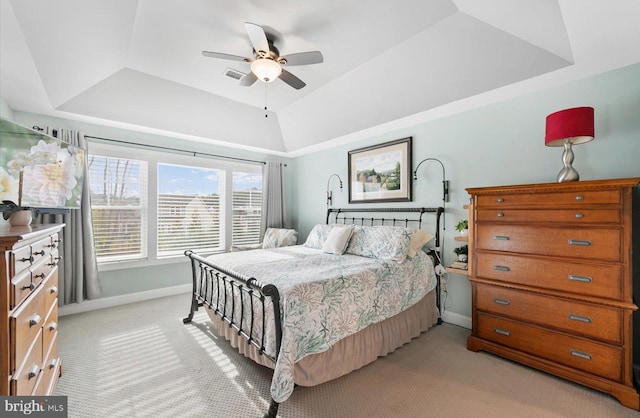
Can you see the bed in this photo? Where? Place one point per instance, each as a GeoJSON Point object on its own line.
{"type": "Point", "coordinates": [358, 288]}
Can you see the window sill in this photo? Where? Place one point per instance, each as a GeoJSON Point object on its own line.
{"type": "Point", "coordinates": [130, 264]}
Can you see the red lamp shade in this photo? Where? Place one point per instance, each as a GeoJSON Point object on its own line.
{"type": "Point", "coordinates": [573, 125]}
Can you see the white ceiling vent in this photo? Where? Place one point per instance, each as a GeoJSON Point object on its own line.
{"type": "Point", "coordinates": [235, 74]}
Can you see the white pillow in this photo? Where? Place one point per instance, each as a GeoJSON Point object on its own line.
{"type": "Point", "coordinates": [418, 240]}
{"type": "Point", "coordinates": [337, 240]}
{"type": "Point", "coordinates": [318, 236]}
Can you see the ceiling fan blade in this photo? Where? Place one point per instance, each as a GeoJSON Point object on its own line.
{"type": "Point", "coordinates": [258, 37]}
{"type": "Point", "coordinates": [224, 56]}
{"type": "Point", "coordinates": [303, 58]}
{"type": "Point", "coordinates": [248, 80]}
{"type": "Point", "coordinates": [291, 80]}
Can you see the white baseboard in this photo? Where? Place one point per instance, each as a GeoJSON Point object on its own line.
{"type": "Point", "coordinates": [457, 319]}
{"type": "Point", "coordinates": [108, 302]}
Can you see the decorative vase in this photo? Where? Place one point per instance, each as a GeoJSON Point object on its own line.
{"type": "Point", "coordinates": [463, 258]}
{"type": "Point", "coordinates": [464, 232]}
{"type": "Point", "coordinates": [21, 217]}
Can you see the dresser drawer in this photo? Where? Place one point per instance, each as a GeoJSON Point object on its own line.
{"type": "Point", "coordinates": [40, 270]}
{"type": "Point", "coordinates": [50, 289]}
{"type": "Point", "coordinates": [25, 323]}
{"type": "Point", "coordinates": [24, 380]}
{"type": "Point", "coordinates": [586, 243]}
{"type": "Point", "coordinates": [591, 321]}
{"type": "Point", "coordinates": [564, 216]}
{"type": "Point", "coordinates": [50, 329]}
{"type": "Point", "coordinates": [586, 279]}
{"type": "Point", "coordinates": [20, 260]}
{"type": "Point", "coordinates": [20, 287]}
{"type": "Point", "coordinates": [50, 371]}
{"type": "Point", "coordinates": [589, 356]}
{"type": "Point", "coordinates": [40, 249]}
{"type": "Point", "coordinates": [556, 199]}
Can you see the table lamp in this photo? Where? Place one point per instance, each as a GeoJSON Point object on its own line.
{"type": "Point", "coordinates": [565, 128]}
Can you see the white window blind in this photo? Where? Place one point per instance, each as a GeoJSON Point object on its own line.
{"type": "Point", "coordinates": [118, 207]}
{"type": "Point", "coordinates": [189, 209]}
{"type": "Point", "coordinates": [247, 207]}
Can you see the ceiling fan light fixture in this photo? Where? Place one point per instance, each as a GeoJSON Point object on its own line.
{"type": "Point", "coordinates": [266, 69]}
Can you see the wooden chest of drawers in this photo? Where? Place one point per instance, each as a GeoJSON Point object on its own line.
{"type": "Point", "coordinates": [553, 280]}
{"type": "Point", "coordinates": [29, 364]}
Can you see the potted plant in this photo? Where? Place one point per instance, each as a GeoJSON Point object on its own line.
{"type": "Point", "coordinates": [463, 227]}
{"type": "Point", "coordinates": [462, 253]}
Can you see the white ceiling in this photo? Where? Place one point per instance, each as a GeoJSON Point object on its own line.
{"type": "Point", "coordinates": [138, 64]}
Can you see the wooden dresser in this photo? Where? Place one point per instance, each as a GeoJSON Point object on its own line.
{"type": "Point", "coordinates": [553, 283]}
{"type": "Point", "coordinates": [29, 364]}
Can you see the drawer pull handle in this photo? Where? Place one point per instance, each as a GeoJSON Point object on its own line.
{"type": "Point", "coordinates": [33, 372]}
{"type": "Point", "coordinates": [580, 318]}
{"type": "Point", "coordinates": [52, 246]}
{"type": "Point", "coordinates": [501, 268]}
{"type": "Point", "coordinates": [29, 286]}
{"type": "Point", "coordinates": [580, 354]}
{"type": "Point", "coordinates": [579, 197]}
{"type": "Point", "coordinates": [29, 259]}
{"type": "Point", "coordinates": [34, 320]}
{"type": "Point", "coordinates": [501, 302]}
{"type": "Point", "coordinates": [53, 290]}
{"type": "Point", "coordinates": [52, 264]}
{"type": "Point", "coordinates": [53, 326]}
{"type": "Point", "coordinates": [579, 215]}
{"type": "Point", "coordinates": [500, 200]}
{"type": "Point", "coordinates": [500, 215]}
{"type": "Point", "coordinates": [502, 332]}
{"type": "Point", "coordinates": [583, 279]}
{"type": "Point", "coordinates": [52, 365]}
{"type": "Point", "coordinates": [41, 275]}
{"type": "Point", "coordinates": [41, 252]}
{"type": "Point", "coordinates": [501, 238]}
{"type": "Point", "coordinates": [580, 242]}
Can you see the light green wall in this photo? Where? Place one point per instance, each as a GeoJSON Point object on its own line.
{"type": "Point", "coordinates": [498, 144]}
{"type": "Point", "coordinates": [5, 110]}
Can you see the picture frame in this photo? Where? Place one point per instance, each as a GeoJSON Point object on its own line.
{"type": "Point", "coordinates": [381, 173]}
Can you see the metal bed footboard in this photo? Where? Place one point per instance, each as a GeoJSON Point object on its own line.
{"type": "Point", "coordinates": [220, 290]}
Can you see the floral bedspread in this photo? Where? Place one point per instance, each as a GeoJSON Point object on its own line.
{"type": "Point", "coordinates": [326, 297]}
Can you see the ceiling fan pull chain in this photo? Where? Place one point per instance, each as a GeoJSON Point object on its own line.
{"type": "Point", "coordinates": [265, 100]}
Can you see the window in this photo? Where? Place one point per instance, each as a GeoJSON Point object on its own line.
{"type": "Point", "coordinates": [151, 206]}
{"type": "Point", "coordinates": [118, 207]}
{"type": "Point", "coordinates": [188, 209]}
{"type": "Point", "coordinates": [247, 207]}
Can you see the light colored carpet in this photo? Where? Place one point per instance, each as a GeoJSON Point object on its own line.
{"type": "Point", "coordinates": [140, 360]}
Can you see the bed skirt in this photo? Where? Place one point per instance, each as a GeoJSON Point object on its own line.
{"type": "Point", "coordinates": [350, 353]}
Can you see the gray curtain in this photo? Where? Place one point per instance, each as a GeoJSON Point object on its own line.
{"type": "Point", "coordinates": [78, 271]}
{"type": "Point", "coordinates": [274, 213]}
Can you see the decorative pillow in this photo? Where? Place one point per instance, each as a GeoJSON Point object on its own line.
{"type": "Point", "coordinates": [277, 237]}
{"type": "Point", "coordinates": [318, 236]}
{"type": "Point", "coordinates": [383, 242]}
{"type": "Point", "coordinates": [418, 240]}
{"type": "Point", "coordinates": [338, 240]}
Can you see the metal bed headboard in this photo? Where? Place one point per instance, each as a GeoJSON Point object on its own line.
{"type": "Point", "coordinates": [340, 217]}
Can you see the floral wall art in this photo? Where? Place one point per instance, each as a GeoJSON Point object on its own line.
{"type": "Point", "coordinates": [37, 170]}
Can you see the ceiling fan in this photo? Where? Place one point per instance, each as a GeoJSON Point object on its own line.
{"type": "Point", "coordinates": [266, 64]}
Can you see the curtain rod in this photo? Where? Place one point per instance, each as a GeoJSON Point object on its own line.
{"type": "Point", "coordinates": [195, 153]}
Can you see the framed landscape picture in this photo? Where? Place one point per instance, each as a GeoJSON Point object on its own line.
{"type": "Point", "coordinates": [381, 173]}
